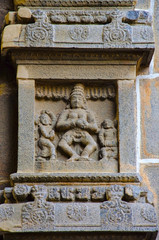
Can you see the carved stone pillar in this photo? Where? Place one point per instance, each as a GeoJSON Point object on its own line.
{"type": "Point", "coordinates": [76, 69]}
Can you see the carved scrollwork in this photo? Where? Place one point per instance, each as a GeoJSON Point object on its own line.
{"type": "Point", "coordinates": [77, 212]}
{"type": "Point", "coordinates": [40, 32]}
{"type": "Point", "coordinates": [149, 215]}
{"type": "Point", "coordinates": [39, 214]}
{"type": "Point", "coordinates": [115, 211]}
{"type": "Point", "coordinates": [116, 33]}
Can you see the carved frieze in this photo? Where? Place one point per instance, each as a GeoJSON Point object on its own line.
{"type": "Point", "coordinates": [23, 192]}
{"type": "Point", "coordinates": [113, 212]}
{"type": "Point", "coordinates": [78, 16]}
{"type": "Point", "coordinates": [63, 92]}
{"type": "Point", "coordinates": [81, 16]}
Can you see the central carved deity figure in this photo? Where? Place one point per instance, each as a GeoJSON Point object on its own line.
{"type": "Point", "coordinates": [78, 123]}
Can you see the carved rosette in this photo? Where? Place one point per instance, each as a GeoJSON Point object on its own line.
{"type": "Point", "coordinates": [79, 33]}
{"type": "Point", "coordinates": [117, 34]}
{"type": "Point", "coordinates": [21, 192]}
{"type": "Point", "coordinates": [39, 214]}
{"type": "Point", "coordinates": [77, 212]}
{"type": "Point", "coordinates": [149, 215]}
{"type": "Point", "coordinates": [37, 217]}
{"type": "Point", "coordinates": [39, 33]}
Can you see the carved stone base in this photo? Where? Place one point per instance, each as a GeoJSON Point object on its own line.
{"type": "Point", "coordinates": [52, 208]}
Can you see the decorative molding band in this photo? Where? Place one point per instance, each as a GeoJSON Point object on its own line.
{"type": "Point", "coordinates": [75, 177]}
{"type": "Point", "coordinates": [95, 193]}
{"type": "Point", "coordinates": [74, 55]}
{"type": "Point", "coordinates": [63, 93]}
{"type": "Point", "coordinates": [74, 3]}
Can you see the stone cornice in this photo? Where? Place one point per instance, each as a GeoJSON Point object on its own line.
{"type": "Point", "coordinates": [74, 3]}
{"type": "Point", "coordinates": [110, 31]}
{"type": "Point", "coordinates": [75, 177]}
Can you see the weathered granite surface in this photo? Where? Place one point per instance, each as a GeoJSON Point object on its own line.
{"type": "Point", "coordinates": [149, 114]}
{"type": "Point", "coordinates": [127, 125]}
{"type": "Point", "coordinates": [150, 177]}
{"type": "Point", "coordinates": [156, 35]}
{"type": "Point", "coordinates": [143, 4]}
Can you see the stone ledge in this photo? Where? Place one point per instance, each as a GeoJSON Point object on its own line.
{"type": "Point", "coordinates": [81, 236]}
{"type": "Point", "coordinates": [79, 3]}
{"type": "Point", "coordinates": [74, 177]}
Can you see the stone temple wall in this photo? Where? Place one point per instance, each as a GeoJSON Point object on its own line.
{"type": "Point", "coordinates": [147, 91]}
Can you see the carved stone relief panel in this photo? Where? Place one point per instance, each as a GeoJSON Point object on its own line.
{"type": "Point", "coordinates": [75, 128]}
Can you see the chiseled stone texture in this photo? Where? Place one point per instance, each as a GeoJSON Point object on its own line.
{"type": "Point", "coordinates": [127, 125]}
{"type": "Point", "coordinates": [156, 35]}
{"type": "Point", "coordinates": [26, 126]}
{"type": "Point", "coordinates": [149, 173]}
{"type": "Point", "coordinates": [149, 90]}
